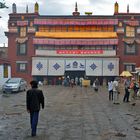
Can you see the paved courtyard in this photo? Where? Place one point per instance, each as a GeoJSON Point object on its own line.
{"type": "Point", "coordinates": [70, 114]}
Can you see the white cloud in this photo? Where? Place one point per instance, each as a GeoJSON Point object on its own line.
{"type": "Point", "coordinates": [65, 7]}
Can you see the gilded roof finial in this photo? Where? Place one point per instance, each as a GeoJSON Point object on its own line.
{"type": "Point", "coordinates": [76, 13]}
{"type": "Point", "coordinates": [14, 8]}
{"type": "Point", "coordinates": [76, 8]}
{"type": "Point", "coordinates": [36, 8]}
{"type": "Point", "coordinates": [128, 8]}
{"type": "Point", "coordinates": [116, 8]}
{"type": "Point", "coordinates": [26, 8]}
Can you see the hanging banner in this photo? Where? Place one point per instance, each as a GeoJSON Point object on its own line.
{"type": "Point", "coordinates": [94, 67]}
{"type": "Point", "coordinates": [111, 67]}
{"type": "Point", "coordinates": [75, 65]}
{"type": "Point", "coordinates": [39, 66]}
{"type": "Point", "coordinates": [56, 67]}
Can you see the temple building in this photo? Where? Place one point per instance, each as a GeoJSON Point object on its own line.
{"type": "Point", "coordinates": [50, 47]}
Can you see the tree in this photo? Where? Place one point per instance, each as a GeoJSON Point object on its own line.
{"type": "Point", "coordinates": [2, 5]}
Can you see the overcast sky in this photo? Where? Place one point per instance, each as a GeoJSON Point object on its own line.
{"type": "Point", "coordinates": [64, 7]}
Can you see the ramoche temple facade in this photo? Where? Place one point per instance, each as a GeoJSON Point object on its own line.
{"type": "Point", "coordinates": [49, 47]}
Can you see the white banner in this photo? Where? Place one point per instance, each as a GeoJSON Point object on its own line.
{"type": "Point", "coordinates": [39, 66]}
{"type": "Point", "coordinates": [94, 67]}
{"type": "Point", "coordinates": [110, 67]}
{"type": "Point", "coordinates": [75, 65]}
{"type": "Point", "coordinates": [56, 67]}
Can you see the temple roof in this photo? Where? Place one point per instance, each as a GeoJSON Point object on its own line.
{"type": "Point", "coordinates": [79, 35]}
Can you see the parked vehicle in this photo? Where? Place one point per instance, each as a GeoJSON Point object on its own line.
{"type": "Point", "coordinates": [14, 85]}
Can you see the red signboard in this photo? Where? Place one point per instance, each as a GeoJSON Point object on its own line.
{"type": "Point", "coordinates": [79, 51]}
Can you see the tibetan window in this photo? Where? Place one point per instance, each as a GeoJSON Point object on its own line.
{"type": "Point", "coordinates": [130, 49]}
{"type": "Point", "coordinates": [21, 66]}
{"type": "Point", "coordinates": [129, 67]}
{"type": "Point", "coordinates": [21, 49]}
{"type": "Point", "coordinates": [23, 31]}
{"type": "Point", "coordinates": [130, 31]}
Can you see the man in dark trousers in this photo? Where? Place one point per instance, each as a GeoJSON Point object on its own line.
{"type": "Point", "coordinates": [127, 92]}
{"type": "Point", "coordinates": [34, 98]}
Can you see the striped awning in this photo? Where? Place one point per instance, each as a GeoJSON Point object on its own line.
{"type": "Point", "coordinates": [132, 23]}
{"type": "Point", "coordinates": [128, 40]}
{"type": "Point", "coordinates": [131, 40]}
{"type": "Point", "coordinates": [75, 21]}
{"type": "Point", "coordinates": [78, 35]}
{"type": "Point", "coordinates": [21, 40]}
{"type": "Point", "coordinates": [22, 23]}
{"type": "Point", "coordinates": [45, 41]}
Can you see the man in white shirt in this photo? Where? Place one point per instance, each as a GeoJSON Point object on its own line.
{"type": "Point", "coordinates": [115, 91]}
{"type": "Point", "coordinates": [110, 90]}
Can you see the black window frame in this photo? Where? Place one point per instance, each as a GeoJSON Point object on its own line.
{"type": "Point", "coordinates": [133, 67]}
{"type": "Point", "coordinates": [18, 67]}
{"type": "Point", "coordinates": [130, 45]}
{"type": "Point", "coordinates": [19, 53]}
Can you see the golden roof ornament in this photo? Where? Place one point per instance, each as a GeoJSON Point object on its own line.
{"type": "Point", "coordinates": [36, 8]}
{"type": "Point", "coordinates": [76, 13]}
{"type": "Point", "coordinates": [116, 8]}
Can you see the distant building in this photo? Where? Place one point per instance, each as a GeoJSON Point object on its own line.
{"type": "Point", "coordinates": [5, 69]}
{"type": "Point", "coordinates": [3, 52]}
{"type": "Point", "coordinates": [47, 47]}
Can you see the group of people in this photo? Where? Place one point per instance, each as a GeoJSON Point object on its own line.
{"type": "Point", "coordinates": [72, 81]}
{"type": "Point", "coordinates": [131, 90]}
{"type": "Point", "coordinates": [113, 88]}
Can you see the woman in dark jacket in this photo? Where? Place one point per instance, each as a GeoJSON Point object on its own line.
{"type": "Point", "coordinates": [34, 98]}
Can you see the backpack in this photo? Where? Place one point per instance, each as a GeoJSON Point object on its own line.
{"type": "Point", "coordinates": [131, 85]}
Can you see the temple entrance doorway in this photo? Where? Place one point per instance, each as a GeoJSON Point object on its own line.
{"type": "Point", "coordinates": [73, 74]}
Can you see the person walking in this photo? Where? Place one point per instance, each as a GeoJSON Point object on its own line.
{"type": "Point", "coordinates": [110, 90]}
{"type": "Point", "coordinates": [96, 85]}
{"type": "Point", "coordinates": [81, 80]}
{"type": "Point", "coordinates": [72, 82]}
{"type": "Point", "coordinates": [34, 99]}
{"type": "Point", "coordinates": [76, 81]}
{"type": "Point", "coordinates": [127, 91]}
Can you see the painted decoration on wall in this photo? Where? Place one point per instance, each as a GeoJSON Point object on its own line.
{"type": "Point", "coordinates": [56, 67]}
{"type": "Point", "coordinates": [75, 65]}
{"type": "Point", "coordinates": [110, 67]}
{"type": "Point", "coordinates": [94, 67]}
{"type": "Point", "coordinates": [39, 66]}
